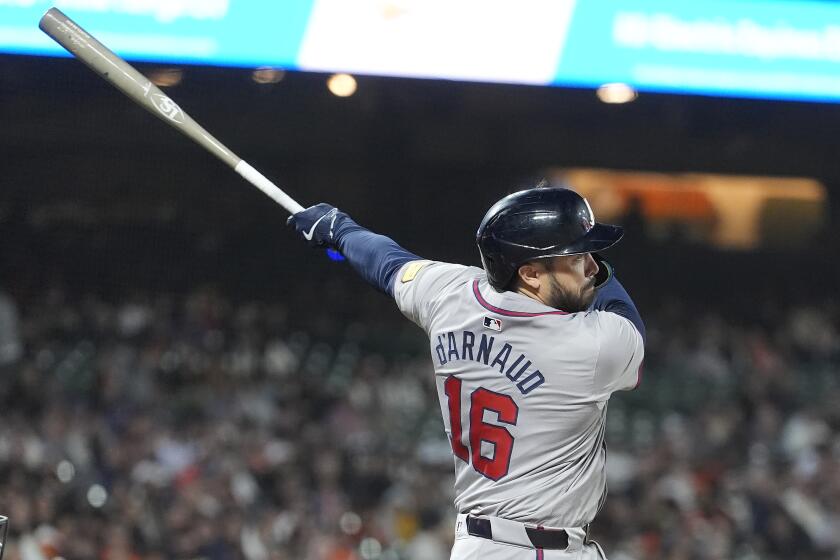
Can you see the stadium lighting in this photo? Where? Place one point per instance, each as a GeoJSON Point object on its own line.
{"type": "Point", "coordinates": [616, 93]}
{"type": "Point", "coordinates": [166, 77]}
{"type": "Point", "coordinates": [342, 85]}
{"type": "Point", "coordinates": [267, 75]}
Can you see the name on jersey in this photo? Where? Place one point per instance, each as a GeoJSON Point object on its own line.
{"type": "Point", "coordinates": [465, 345]}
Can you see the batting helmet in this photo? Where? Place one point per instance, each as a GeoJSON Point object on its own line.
{"type": "Point", "coordinates": [536, 223]}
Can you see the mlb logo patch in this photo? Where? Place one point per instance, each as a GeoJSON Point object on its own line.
{"type": "Point", "coordinates": [493, 323]}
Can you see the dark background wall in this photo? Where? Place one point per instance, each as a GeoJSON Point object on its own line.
{"type": "Point", "coordinates": [91, 182]}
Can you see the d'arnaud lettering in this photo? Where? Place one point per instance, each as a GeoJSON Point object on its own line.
{"type": "Point", "coordinates": [467, 346]}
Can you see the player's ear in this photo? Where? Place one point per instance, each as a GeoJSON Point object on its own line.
{"type": "Point", "coordinates": [529, 274]}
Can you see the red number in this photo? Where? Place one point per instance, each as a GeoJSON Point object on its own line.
{"type": "Point", "coordinates": [499, 437]}
{"type": "Point", "coordinates": [480, 431]}
{"type": "Point", "coordinates": [452, 386]}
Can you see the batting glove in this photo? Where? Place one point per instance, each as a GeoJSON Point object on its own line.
{"type": "Point", "coordinates": [317, 224]}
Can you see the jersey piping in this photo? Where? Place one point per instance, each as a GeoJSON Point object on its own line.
{"type": "Point", "coordinates": [506, 312]}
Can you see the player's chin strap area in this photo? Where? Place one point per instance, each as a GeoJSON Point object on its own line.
{"type": "Point", "coordinates": [520, 534]}
{"type": "Point", "coordinates": [605, 270]}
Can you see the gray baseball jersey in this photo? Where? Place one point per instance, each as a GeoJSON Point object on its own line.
{"type": "Point", "coordinates": [523, 390]}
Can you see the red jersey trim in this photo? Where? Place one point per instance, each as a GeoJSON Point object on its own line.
{"type": "Point", "coordinates": [507, 313]}
{"type": "Point", "coordinates": [639, 375]}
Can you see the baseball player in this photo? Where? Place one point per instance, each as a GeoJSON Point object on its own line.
{"type": "Point", "coordinates": [526, 354]}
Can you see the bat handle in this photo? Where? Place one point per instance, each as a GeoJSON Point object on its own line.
{"type": "Point", "coordinates": [265, 185]}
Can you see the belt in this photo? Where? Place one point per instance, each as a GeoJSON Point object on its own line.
{"type": "Point", "coordinates": [552, 539]}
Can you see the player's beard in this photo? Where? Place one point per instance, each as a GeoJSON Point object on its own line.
{"type": "Point", "coordinates": [568, 300]}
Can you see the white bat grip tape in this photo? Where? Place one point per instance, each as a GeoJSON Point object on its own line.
{"type": "Point", "coordinates": [265, 185]}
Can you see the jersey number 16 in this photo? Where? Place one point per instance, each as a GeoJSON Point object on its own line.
{"type": "Point", "coordinates": [480, 431]}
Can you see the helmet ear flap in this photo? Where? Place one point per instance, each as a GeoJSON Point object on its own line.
{"type": "Point", "coordinates": [605, 270]}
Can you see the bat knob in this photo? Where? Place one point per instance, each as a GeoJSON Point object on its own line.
{"type": "Point", "coordinates": [335, 255]}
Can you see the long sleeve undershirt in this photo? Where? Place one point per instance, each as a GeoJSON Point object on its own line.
{"type": "Point", "coordinates": [374, 257]}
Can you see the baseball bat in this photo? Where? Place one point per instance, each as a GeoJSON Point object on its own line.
{"type": "Point", "coordinates": [128, 80]}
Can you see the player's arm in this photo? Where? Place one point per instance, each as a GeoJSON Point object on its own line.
{"type": "Point", "coordinates": [376, 258]}
{"type": "Point", "coordinates": [620, 332]}
{"type": "Point", "coordinates": [611, 296]}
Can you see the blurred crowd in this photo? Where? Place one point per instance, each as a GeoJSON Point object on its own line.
{"type": "Point", "coordinates": [195, 426]}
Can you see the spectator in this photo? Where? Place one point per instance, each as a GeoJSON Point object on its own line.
{"type": "Point", "coordinates": [197, 427]}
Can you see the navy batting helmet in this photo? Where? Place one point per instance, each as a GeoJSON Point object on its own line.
{"type": "Point", "coordinates": [536, 223]}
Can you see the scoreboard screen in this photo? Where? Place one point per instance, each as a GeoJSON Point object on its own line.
{"type": "Point", "coordinates": [782, 49]}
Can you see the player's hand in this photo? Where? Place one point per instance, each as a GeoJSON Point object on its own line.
{"type": "Point", "coordinates": [317, 224]}
{"type": "Point", "coordinates": [605, 270]}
